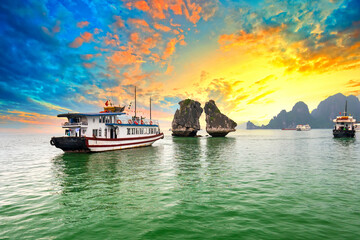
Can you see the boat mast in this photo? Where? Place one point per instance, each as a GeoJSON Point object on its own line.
{"type": "Point", "coordinates": [150, 108]}
{"type": "Point", "coordinates": [345, 113]}
{"type": "Point", "coordinates": [135, 101]}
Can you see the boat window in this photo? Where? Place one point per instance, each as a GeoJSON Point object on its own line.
{"type": "Point", "coordinates": [105, 131]}
{"type": "Point", "coordinates": [132, 130]}
{"type": "Point", "coordinates": [95, 131]}
{"type": "Point", "coordinates": [99, 132]}
{"type": "Point", "coordinates": [137, 131]}
{"type": "Point", "coordinates": [128, 131]}
{"type": "Point", "coordinates": [93, 120]}
{"type": "Point", "coordinates": [99, 119]}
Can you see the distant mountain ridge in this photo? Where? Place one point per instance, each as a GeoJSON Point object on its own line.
{"type": "Point", "coordinates": [321, 117]}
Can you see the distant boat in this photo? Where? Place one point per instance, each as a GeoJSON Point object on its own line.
{"type": "Point", "coordinates": [289, 129]}
{"type": "Point", "coordinates": [344, 125]}
{"type": "Point", "coordinates": [357, 126]}
{"type": "Point", "coordinates": [303, 127]}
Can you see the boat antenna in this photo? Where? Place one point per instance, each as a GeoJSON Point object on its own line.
{"type": "Point", "coordinates": [345, 113]}
{"type": "Point", "coordinates": [135, 101]}
{"type": "Point", "coordinates": [150, 108]}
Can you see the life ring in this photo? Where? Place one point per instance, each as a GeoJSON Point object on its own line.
{"type": "Point", "coordinates": [119, 121]}
{"type": "Point", "coordinates": [151, 122]}
{"type": "Point", "coordinates": [136, 122]}
{"type": "Point", "coordinates": [130, 122]}
{"type": "Point", "coordinates": [52, 142]}
{"type": "Point", "coordinates": [142, 122]}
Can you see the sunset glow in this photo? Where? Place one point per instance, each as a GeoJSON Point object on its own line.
{"type": "Point", "coordinates": [254, 58]}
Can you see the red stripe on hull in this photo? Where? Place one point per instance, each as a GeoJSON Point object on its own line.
{"type": "Point", "coordinates": [123, 139]}
{"type": "Point", "coordinates": [124, 144]}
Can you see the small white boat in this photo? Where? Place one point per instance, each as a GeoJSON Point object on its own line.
{"type": "Point", "coordinates": [303, 127]}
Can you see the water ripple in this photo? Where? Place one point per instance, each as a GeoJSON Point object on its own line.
{"type": "Point", "coordinates": [250, 185]}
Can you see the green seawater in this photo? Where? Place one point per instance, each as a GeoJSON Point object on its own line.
{"type": "Point", "coordinates": [260, 184]}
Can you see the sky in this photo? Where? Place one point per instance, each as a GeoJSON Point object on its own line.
{"type": "Point", "coordinates": [253, 58]}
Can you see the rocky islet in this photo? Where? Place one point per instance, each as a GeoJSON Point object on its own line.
{"type": "Point", "coordinates": [186, 120]}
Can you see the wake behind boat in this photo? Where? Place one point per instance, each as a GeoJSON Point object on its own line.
{"type": "Point", "coordinates": [111, 129]}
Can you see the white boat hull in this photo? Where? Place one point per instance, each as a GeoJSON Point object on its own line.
{"type": "Point", "coordinates": [100, 145]}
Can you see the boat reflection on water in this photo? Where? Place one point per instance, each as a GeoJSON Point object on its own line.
{"type": "Point", "coordinates": [345, 142]}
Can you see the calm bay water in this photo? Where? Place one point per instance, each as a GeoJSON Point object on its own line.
{"type": "Point", "coordinates": [261, 184]}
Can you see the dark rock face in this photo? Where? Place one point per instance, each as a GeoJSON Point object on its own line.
{"type": "Point", "coordinates": [331, 107]}
{"type": "Point", "coordinates": [250, 125]}
{"type": "Point", "coordinates": [217, 124]}
{"type": "Point", "coordinates": [298, 115]}
{"type": "Point", "coordinates": [321, 117]}
{"type": "Point", "coordinates": [186, 120]}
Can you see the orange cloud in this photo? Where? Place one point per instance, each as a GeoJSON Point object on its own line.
{"type": "Point", "coordinates": [134, 37]}
{"type": "Point", "coordinates": [119, 23]}
{"type": "Point", "coordinates": [171, 46]}
{"type": "Point", "coordinates": [138, 22]}
{"type": "Point", "coordinates": [264, 80]}
{"type": "Point", "coordinates": [296, 56]}
{"type": "Point", "coordinates": [174, 24]}
{"type": "Point", "coordinates": [162, 27]}
{"type": "Point", "coordinates": [82, 24]}
{"type": "Point", "coordinates": [97, 30]}
{"type": "Point", "coordinates": [89, 56]}
{"type": "Point", "coordinates": [123, 58]}
{"type": "Point", "coordinates": [142, 5]}
{"type": "Point", "coordinates": [353, 83]}
{"type": "Point", "coordinates": [30, 118]}
{"type": "Point", "coordinates": [264, 37]}
{"type": "Point", "coordinates": [169, 70]}
{"type": "Point", "coordinates": [85, 37]}
{"type": "Point", "coordinates": [159, 9]}
{"type": "Point", "coordinates": [111, 40]}
{"type": "Point", "coordinates": [253, 100]}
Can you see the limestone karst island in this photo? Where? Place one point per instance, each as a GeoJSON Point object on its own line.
{"type": "Point", "coordinates": [186, 120]}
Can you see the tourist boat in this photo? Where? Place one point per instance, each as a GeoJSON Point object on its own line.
{"type": "Point", "coordinates": [111, 129]}
{"type": "Point", "coordinates": [344, 125]}
{"type": "Point", "coordinates": [303, 127]}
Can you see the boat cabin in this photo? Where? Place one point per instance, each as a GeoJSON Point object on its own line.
{"type": "Point", "coordinates": [344, 123]}
{"type": "Point", "coordinates": [110, 125]}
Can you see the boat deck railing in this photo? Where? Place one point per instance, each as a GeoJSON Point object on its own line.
{"type": "Point", "coordinates": [74, 124]}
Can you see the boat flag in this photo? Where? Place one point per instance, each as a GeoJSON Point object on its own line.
{"type": "Point", "coordinates": [107, 103]}
{"type": "Point", "coordinates": [339, 113]}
